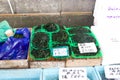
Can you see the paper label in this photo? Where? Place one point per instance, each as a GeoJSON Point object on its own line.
{"type": "Point", "coordinates": [61, 51]}
{"type": "Point", "coordinates": [72, 74]}
{"type": "Point", "coordinates": [87, 47]}
{"type": "Point", "coordinates": [112, 71]}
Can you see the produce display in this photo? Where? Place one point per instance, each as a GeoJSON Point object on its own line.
{"type": "Point", "coordinates": [47, 37]}
{"type": "Point", "coordinates": [51, 36]}
{"type": "Point", "coordinates": [40, 40]}
{"type": "Point", "coordinates": [60, 36]}
{"type": "Point", "coordinates": [50, 27]}
{"type": "Point", "coordinates": [40, 53]}
{"type": "Point", "coordinates": [79, 30]}
{"type": "Point", "coordinates": [83, 43]}
{"type": "Point", "coordinates": [83, 38]}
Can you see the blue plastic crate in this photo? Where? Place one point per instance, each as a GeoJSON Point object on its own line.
{"type": "Point", "coordinates": [91, 74]}
{"type": "Point", "coordinates": [100, 72]}
{"type": "Point", "coordinates": [21, 74]}
{"type": "Point", "coordinates": [53, 74]}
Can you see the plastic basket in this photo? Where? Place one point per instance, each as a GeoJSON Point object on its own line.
{"type": "Point", "coordinates": [46, 44]}
{"type": "Point", "coordinates": [75, 51]}
{"type": "Point", "coordinates": [39, 54]}
{"type": "Point", "coordinates": [60, 36]}
{"type": "Point", "coordinates": [79, 29]}
{"type": "Point", "coordinates": [76, 54]}
{"type": "Point", "coordinates": [38, 48]}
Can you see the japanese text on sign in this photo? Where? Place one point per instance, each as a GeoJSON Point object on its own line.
{"type": "Point", "coordinates": [72, 74]}
{"type": "Point", "coordinates": [87, 47]}
{"type": "Point", "coordinates": [112, 71]}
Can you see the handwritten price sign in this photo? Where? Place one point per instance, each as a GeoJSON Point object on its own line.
{"type": "Point", "coordinates": [61, 51]}
{"type": "Point", "coordinates": [112, 71]}
{"type": "Point", "coordinates": [87, 47]}
{"type": "Point", "coordinates": [72, 74]}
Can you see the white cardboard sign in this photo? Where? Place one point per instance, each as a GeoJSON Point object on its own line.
{"type": "Point", "coordinates": [107, 13]}
{"type": "Point", "coordinates": [87, 47]}
{"type": "Point", "coordinates": [60, 51]}
{"type": "Point", "coordinates": [112, 72]}
{"type": "Point", "coordinates": [72, 74]}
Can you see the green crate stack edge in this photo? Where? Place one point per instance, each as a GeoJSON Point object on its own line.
{"type": "Point", "coordinates": [75, 44]}
{"type": "Point", "coordinates": [69, 42]}
{"type": "Point", "coordinates": [51, 43]}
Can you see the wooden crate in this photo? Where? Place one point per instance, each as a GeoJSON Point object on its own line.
{"type": "Point", "coordinates": [83, 62]}
{"type": "Point", "coordinates": [47, 64]}
{"type": "Point", "coordinates": [20, 63]}
{"type": "Point", "coordinates": [14, 63]}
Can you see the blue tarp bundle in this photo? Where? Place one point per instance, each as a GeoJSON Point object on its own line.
{"type": "Point", "coordinates": [15, 48]}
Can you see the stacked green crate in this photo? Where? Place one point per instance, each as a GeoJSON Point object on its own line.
{"type": "Point", "coordinates": [60, 42]}
{"type": "Point", "coordinates": [80, 37]}
{"type": "Point", "coordinates": [48, 40]}
{"type": "Point", "coordinates": [52, 40]}
{"type": "Point", "coordinates": [39, 48]}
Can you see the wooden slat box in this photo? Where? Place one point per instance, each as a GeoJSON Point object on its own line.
{"type": "Point", "coordinates": [21, 63]}
{"type": "Point", "coordinates": [83, 62]}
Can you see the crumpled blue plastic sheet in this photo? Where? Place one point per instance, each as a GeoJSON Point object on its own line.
{"type": "Point", "coordinates": [16, 48]}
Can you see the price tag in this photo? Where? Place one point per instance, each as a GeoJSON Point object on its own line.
{"type": "Point", "coordinates": [112, 72]}
{"type": "Point", "coordinates": [72, 74]}
{"type": "Point", "coordinates": [60, 51]}
{"type": "Point", "coordinates": [87, 47]}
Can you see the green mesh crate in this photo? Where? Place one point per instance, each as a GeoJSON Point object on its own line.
{"type": "Point", "coordinates": [40, 54]}
{"type": "Point", "coordinates": [76, 53]}
{"type": "Point", "coordinates": [44, 41]}
{"type": "Point", "coordinates": [60, 36]}
{"type": "Point", "coordinates": [39, 46]}
{"type": "Point", "coordinates": [83, 37]}
{"type": "Point", "coordinates": [79, 30]}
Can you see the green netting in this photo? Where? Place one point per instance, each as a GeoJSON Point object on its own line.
{"type": "Point", "coordinates": [52, 36]}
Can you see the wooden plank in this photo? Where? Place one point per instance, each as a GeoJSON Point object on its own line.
{"type": "Point", "coordinates": [14, 63]}
{"type": "Point", "coordinates": [29, 14]}
{"type": "Point", "coordinates": [83, 62]}
{"type": "Point", "coordinates": [47, 64]}
{"type": "Point", "coordinates": [47, 14]}
{"type": "Point", "coordinates": [76, 13]}
{"type": "Point", "coordinates": [30, 20]}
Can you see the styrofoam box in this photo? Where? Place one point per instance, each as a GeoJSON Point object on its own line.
{"type": "Point", "coordinates": [21, 74]}
{"type": "Point", "coordinates": [53, 74]}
